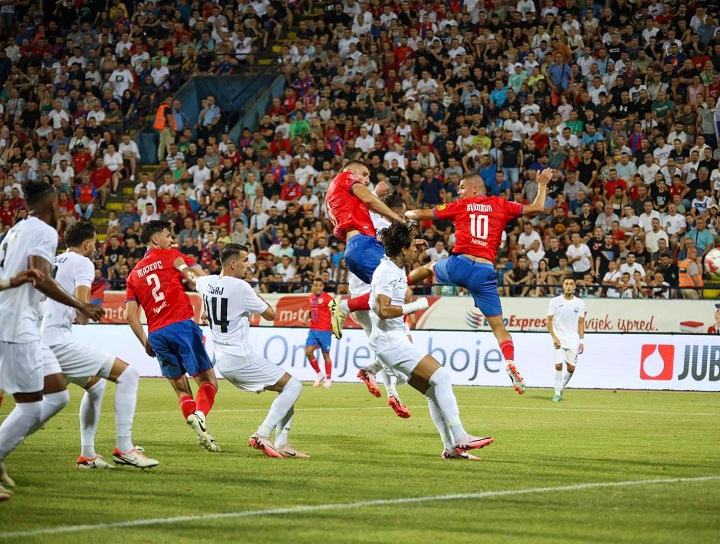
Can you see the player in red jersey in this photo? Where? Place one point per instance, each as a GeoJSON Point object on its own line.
{"type": "Point", "coordinates": [320, 335]}
{"type": "Point", "coordinates": [156, 284]}
{"type": "Point", "coordinates": [479, 223]}
{"type": "Point", "coordinates": [348, 202]}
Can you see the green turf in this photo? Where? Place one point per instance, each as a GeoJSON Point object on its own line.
{"type": "Point", "coordinates": [362, 452]}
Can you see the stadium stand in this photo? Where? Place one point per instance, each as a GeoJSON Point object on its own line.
{"type": "Point", "coordinates": [619, 97]}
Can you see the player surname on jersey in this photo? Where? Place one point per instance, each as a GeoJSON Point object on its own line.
{"type": "Point", "coordinates": [149, 268]}
{"type": "Point", "coordinates": [483, 208]}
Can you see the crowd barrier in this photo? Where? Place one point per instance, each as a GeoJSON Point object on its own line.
{"type": "Point", "coordinates": [679, 362]}
{"type": "Point", "coordinates": [521, 314]}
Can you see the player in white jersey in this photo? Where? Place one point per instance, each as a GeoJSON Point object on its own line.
{"type": "Point", "coordinates": [390, 341]}
{"type": "Point", "coordinates": [358, 287]}
{"type": "Point", "coordinates": [86, 366]}
{"type": "Point", "coordinates": [24, 362]}
{"type": "Point", "coordinates": [228, 301]}
{"type": "Point", "coordinates": [566, 325]}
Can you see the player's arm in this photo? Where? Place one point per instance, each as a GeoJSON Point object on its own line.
{"type": "Point", "coordinates": [269, 313]}
{"type": "Point", "coordinates": [306, 317]}
{"type": "Point", "coordinates": [551, 330]}
{"type": "Point", "coordinates": [82, 292]}
{"type": "Point", "coordinates": [385, 309]}
{"type": "Point", "coordinates": [132, 314]}
{"type": "Point", "coordinates": [374, 203]}
{"type": "Point", "coordinates": [581, 333]}
{"type": "Point", "coordinates": [190, 272]}
{"type": "Point", "coordinates": [31, 275]}
{"type": "Point", "coordinates": [538, 205]}
{"type": "Point", "coordinates": [420, 215]}
{"type": "Point", "coordinates": [47, 285]}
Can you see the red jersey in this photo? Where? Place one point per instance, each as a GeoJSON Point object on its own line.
{"type": "Point", "coordinates": [320, 316]}
{"type": "Point", "coordinates": [345, 210]}
{"type": "Point", "coordinates": [155, 284]}
{"type": "Point", "coordinates": [479, 222]}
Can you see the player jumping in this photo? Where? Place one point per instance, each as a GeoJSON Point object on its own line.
{"type": "Point", "coordinates": [84, 365]}
{"type": "Point", "coordinates": [566, 325]}
{"type": "Point", "coordinates": [155, 284]}
{"type": "Point", "coordinates": [479, 222]}
{"type": "Point", "coordinates": [320, 333]}
{"type": "Point", "coordinates": [390, 341]}
{"type": "Point", "coordinates": [228, 301]}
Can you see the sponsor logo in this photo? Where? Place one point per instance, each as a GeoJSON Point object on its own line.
{"type": "Point", "coordinates": [441, 207]}
{"type": "Point", "coordinates": [656, 361]}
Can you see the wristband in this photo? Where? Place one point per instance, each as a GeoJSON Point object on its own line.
{"type": "Point", "coordinates": [419, 304]}
{"type": "Point", "coordinates": [182, 267]}
{"type": "Point", "coordinates": [4, 283]}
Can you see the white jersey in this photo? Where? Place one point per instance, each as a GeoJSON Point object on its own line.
{"type": "Point", "coordinates": [72, 270]}
{"type": "Point", "coordinates": [390, 280]}
{"type": "Point", "coordinates": [228, 304]}
{"type": "Point", "coordinates": [20, 311]}
{"type": "Point", "coordinates": [565, 314]}
{"type": "Point", "coordinates": [356, 286]}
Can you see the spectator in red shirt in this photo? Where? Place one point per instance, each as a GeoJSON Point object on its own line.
{"type": "Point", "coordinates": [81, 159]}
{"type": "Point", "coordinates": [291, 189]}
{"type": "Point", "coordinates": [101, 178]}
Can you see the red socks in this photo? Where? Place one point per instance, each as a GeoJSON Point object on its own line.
{"type": "Point", "coordinates": [328, 370]}
{"type": "Point", "coordinates": [314, 364]}
{"type": "Point", "coordinates": [187, 405]}
{"type": "Point", "coordinates": [205, 397]}
{"type": "Point", "coordinates": [508, 350]}
{"type": "Point", "coordinates": [359, 303]}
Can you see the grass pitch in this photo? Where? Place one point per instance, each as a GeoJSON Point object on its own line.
{"type": "Point", "coordinates": [543, 480]}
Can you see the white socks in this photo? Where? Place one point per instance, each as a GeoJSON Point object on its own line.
{"type": "Point", "coordinates": [558, 381]}
{"type": "Point", "coordinates": [442, 427]}
{"type": "Point", "coordinates": [375, 367]}
{"type": "Point", "coordinates": [17, 426]}
{"type": "Point", "coordinates": [283, 428]}
{"type": "Point", "coordinates": [389, 381]}
{"type": "Point", "coordinates": [89, 418]}
{"type": "Point", "coordinates": [51, 405]}
{"type": "Point", "coordinates": [567, 377]}
{"type": "Point", "coordinates": [441, 392]}
{"type": "Point", "coordinates": [125, 401]}
{"type": "Point", "coordinates": [344, 306]}
{"type": "Point", "coordinates": [280, 407]}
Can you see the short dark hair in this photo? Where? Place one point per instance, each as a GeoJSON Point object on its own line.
{"type": "Point", "coordinates": [78, 233]}
{"type": "Point", "coordinates": [393, 201]}
{"type": "Point", "coordinates": [35, 191]}
{"type": "Point", "coordinates": [230, 251]}
{"type": "Point", "coordinates": [395, 238]}
{"type": "Point", "coordinates": [318, 279]}
{"type": "Point", "coordinates": [354, 162]}
{"type": "Point", "coordinates": [151, 228]}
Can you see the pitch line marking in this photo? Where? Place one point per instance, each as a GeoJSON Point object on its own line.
{"type": "Point", "coordinates": [346, 506]}
{"type": "Point", "coordinates": [70, 413]}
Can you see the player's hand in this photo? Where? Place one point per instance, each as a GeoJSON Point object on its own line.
{"type": "Point", "coordinates": [556, 342]}
{"type": "Point", "coordinates": [581, 348]}
{"type": "Point", "coordinates": [31, 275]}
{"type": "Point", "coordinates": [177, 263]}
{"type": "Point", "coordinates": [410, 223]}
{"type": "Point", "coordinates": [149, 350]}
{"type": "Point", "coordinates": [92, 311]}
{"type": "Point", "coordinates": [412, 215]}
{"type": "Point", "coordinates": [421, 244]}
{"type": "Point", "coordinates": [545, 176]}
{"type": "Point", "coordinates": [422, 303]}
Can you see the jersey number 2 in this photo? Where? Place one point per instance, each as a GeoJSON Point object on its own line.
{"type": "Point", "coordinates": [478, 226]}
{"type": "Point", "coordinates": [156, 293]}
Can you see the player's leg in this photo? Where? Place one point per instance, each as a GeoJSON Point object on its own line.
{"type": "Point", "coordinates": [21, 375]}
{"type": "Point", "coordinates": [311, 344]}
{"type": "Point", "coordinates": [55, 393]}
{"type": "Point", "coordinates": [89, 416]}
{"type": "Point", "coordinates": [367, 373]}
{"type": "Point", "coordinates": [325, 340]}
{"type": "Point", "coordinates": [558, 358]}
{"type": "Point", "coordinates": [570, 360]}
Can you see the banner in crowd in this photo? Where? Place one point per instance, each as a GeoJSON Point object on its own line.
{"type": "Point", "coordinates": [521, 314]}
{"type": "Point", "coordinates": [610, 361]}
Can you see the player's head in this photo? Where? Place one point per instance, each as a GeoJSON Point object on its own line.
{"type": "Point", "coordinates": [156, 234]}
{"type": "Point", "coordinates": [318, 285]}
{"type": "Point", "coordinates": [395, 203]}
{"type": "Point", "coordinates": [234, 260]}
{"type": "Point", "coordinates": [81, 238]}
{"type": "Point", "coordinates": [398, 242]}
{"type": "Point", "coordinates": [471, 185]}
{"type": "Point", "coordinates": [569, 287]}
{"type": "Point", "coordinates": [41, 200]}
{"type": "Point", "coordinates": [360, 169]}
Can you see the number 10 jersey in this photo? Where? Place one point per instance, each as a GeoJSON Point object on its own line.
{"type": "Point", "coordinates": [228, 304]}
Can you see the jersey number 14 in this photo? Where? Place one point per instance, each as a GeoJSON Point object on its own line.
{"type": "Point", "coordinates": [212, 305]}
{"type": "Point", "coordinates": [479, 226]}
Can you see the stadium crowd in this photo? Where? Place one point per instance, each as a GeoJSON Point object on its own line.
{"type": "Point", "coordinates": [617, 97]}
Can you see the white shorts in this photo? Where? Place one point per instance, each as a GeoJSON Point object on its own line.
{"type": "Point", "coordinates": [252, 373]}
{"type": "Point", "coordinates": [565, 355]}
{"type": "Point", "coordinates": [23, 366]}
{"type": "Point", "coordinates": [398, 353]}
{"type": "Point", "coordinates": [79, 362]}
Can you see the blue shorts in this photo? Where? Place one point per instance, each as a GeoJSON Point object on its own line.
{"type": "Point", "coordinates": [179, 348]}
{"type": "Point", "coordinates": [363, 254]}
{"type": "Point", "coordinates": [478, 278]}
{"type": "Point", "coordinates": [319, 339]}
